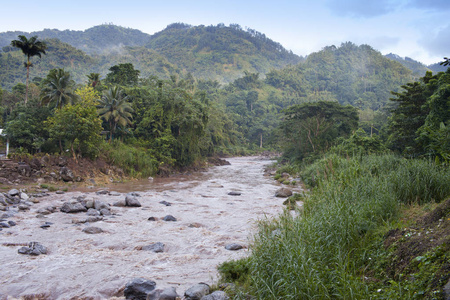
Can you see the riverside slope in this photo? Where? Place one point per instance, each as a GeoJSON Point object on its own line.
{"type": "Point", "coordinates": [97, 266]}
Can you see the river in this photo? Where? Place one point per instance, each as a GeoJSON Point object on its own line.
{"type": "Point", "coordinates": [97, 266]}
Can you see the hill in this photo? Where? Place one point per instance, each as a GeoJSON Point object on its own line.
{"type": "Point", "coordinates": [416, 67]}
{"type": "Point", "coordinates": [95, 40]}
{"type": "Point", "coordinates": [219, 52]}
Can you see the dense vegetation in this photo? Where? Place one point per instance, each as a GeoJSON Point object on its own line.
{"type": "Point", "coordinates": [353, 238]}
{"type": "Point", "coordinates": [367, 134]}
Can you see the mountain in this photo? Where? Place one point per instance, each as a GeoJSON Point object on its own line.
{"type": "Point", "coordinates": [436, 68]}
{"type": "Point", "coordinates": [350, 74]}
{"type": "Point", "coordinates": [219, 52]}
{"type": "Point", "coordinates": [94, 40]}
{"type": "Point", "coordinates": [416, 67]}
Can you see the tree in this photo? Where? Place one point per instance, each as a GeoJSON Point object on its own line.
{"type": "Point", "coordinates": [114, 109]}
{"type": "Point", "coordinates": [58, 88]}
{"type": "Point", "coordinates": [311, 128]}
{"type": "Point", "coordinates": [78, 126]}
{"type": "Point", "coordinates": [25, 128]}
{"type": "Point", "coordinates": [94, 79]}
{"type": "Point", "coordinates": [123, 74]}
{"type": "Point", "coordinates": [30, 47]}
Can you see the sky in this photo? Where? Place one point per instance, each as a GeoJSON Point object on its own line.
{"type": "Point", "coordinates": [419, 29]}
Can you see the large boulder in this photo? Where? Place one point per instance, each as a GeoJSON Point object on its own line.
{"type": "Point", "coordinates": [98, 205]}
{"type": "Point", "coordinates": [66, 174]}
{"type": "Point", "coordinates": [138, 289]}
{"type": "Point", "coordinates": [24, 169]}
{"type": "Point", "coordinates": [73, 207]}
{"type": "Point", "coordinates": [166, 294]}
{"type": "Point", "coordinates": [217, 295]}
{"type": "Point", "coordinates": [197, 291]}
{"type": "Point", "coordinates": [283, 193]}
{"type": "Point", "coordinates": [132, 201]}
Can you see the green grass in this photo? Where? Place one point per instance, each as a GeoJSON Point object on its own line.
{"type": "Point", "coordinates": [323, 252]}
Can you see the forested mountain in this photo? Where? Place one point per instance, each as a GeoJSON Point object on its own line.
{"type": "Point", "coordinates": [350, 74]}
{"type": "Point", "coordinates": [95, 40]}
{"type": "Point", "coordinates": [416, 67]}
{"type": "Point", "coordinates": [209, 52]}
{"type": "Point", "coordinates": [220, 52]}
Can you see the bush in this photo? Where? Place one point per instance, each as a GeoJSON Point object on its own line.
{"type": "Point", "coordinates": [135, 161]}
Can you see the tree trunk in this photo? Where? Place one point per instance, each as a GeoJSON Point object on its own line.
{"type": "Point", "coordinates": [28, 75]}
{"type": "Point", "coordinates": [260, 142]}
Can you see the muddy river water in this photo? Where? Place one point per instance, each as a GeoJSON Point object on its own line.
{"type": "Point", "coordinates": [97, 266]}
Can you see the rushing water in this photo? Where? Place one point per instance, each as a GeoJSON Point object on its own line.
{"type": "Point", "coordinates": [97, 266]}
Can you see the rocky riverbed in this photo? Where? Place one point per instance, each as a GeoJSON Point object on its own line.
{"type": "Point", "coordinates": [173, 231]}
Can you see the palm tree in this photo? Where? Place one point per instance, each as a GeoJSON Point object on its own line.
{"type": "Point", "coordinates": [94, 79]}
{"type": "Point", "coordinates": [30, 47]}
{"type": "Point", "coordinates": [58, 88]}
{"type": "Point", "coordinates": [114, 109]}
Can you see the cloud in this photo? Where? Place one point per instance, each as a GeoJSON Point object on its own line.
{"type": "Point", "coordinates": [361, 8]}
{"type": "Point", "coordinates": [439, 5]}
{"type": "Point", "coordinates": [438, 44]}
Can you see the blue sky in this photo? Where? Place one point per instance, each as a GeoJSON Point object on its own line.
{"type": "Point", "coordinates": [419, 29]}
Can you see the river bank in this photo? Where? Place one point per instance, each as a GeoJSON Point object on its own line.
{"type": "Point", "coordinates": [97, 266]}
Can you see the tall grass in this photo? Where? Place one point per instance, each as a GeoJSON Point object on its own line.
{"type": "Point", "coordinates": [135, 161]}
{"type": "Point", "coordinates": [321, 252]}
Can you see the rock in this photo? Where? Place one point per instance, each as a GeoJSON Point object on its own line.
{"type": "Point", "coordinates": [93, 219]}
{"type": "Point", "coordinates": [132, 201]}
{"type": "Point", "coordinates": [166, 294]}
{"type": "Point", "coordinates": [217, 295]}
{"type": "Point", "coordinates": [24, 196]}
{"type": "Point", "coordinates": [66, 174]}
{"type": "Point", "coordinates": [45, 226]}
{"type": "Point", "coordinates": [13, 192]}
{"type": "Point", "coordinates": [88, 203]}
{"type": "Point", "coordinates": [34, 248]}
{"type": "Point", "coordinates": [12, 223]}
{"type": "Point", "coordinates": [100, 205]}
{"type": "Point", "coordinates": [73, 207]}
{"type": "Point", "coordinates": [59, 192]}
{"type": "Point", "coordinates": [233, 247]}
{"type": "Point", "coordinates": [152, 219]}
{"type": "Point", "coordinates": [35, 163]}
{"type": "Point", "coordinates": [138, 289]}
{"type": "Point", "coordinates": [197, 291]}
{"type": "Point", "coordinates": [105, 212]}
{"type": "Point", "coordinates": [114, 194]}
{"type": "Point", "coordinates": [62, 161]}
{"type": "Point", "coordinates": [23, 207]}
{"type": "Point", "coordinates": [169, 218]}
{"type": "Point", "coordinates": [2, 200]}
{"type": "Point", "coordinates": [447, 291]}
{"type": "Point", "coordinates": [234, 193]}
{"type": "Point", "coordinates": [46, 211]}
{"type": "Point", "coordinates": [165, 203]}
{"type": "Point", "coordinates": [4, 225]}
{"type": "Point", "coordinates": [24, 169]}
{"type": "Point", "coordinates": [93, 212]}
{"type": "Point", "coordinates": [103, 192]}
{"type": "Point", "coordinates": [283, 193]}
{"type": "Point", "coordinates": [156, 247]}
{"type": "Point", "coordinates": [92, 230]}
{"type": "Point", "coordinates": [120, 203]}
